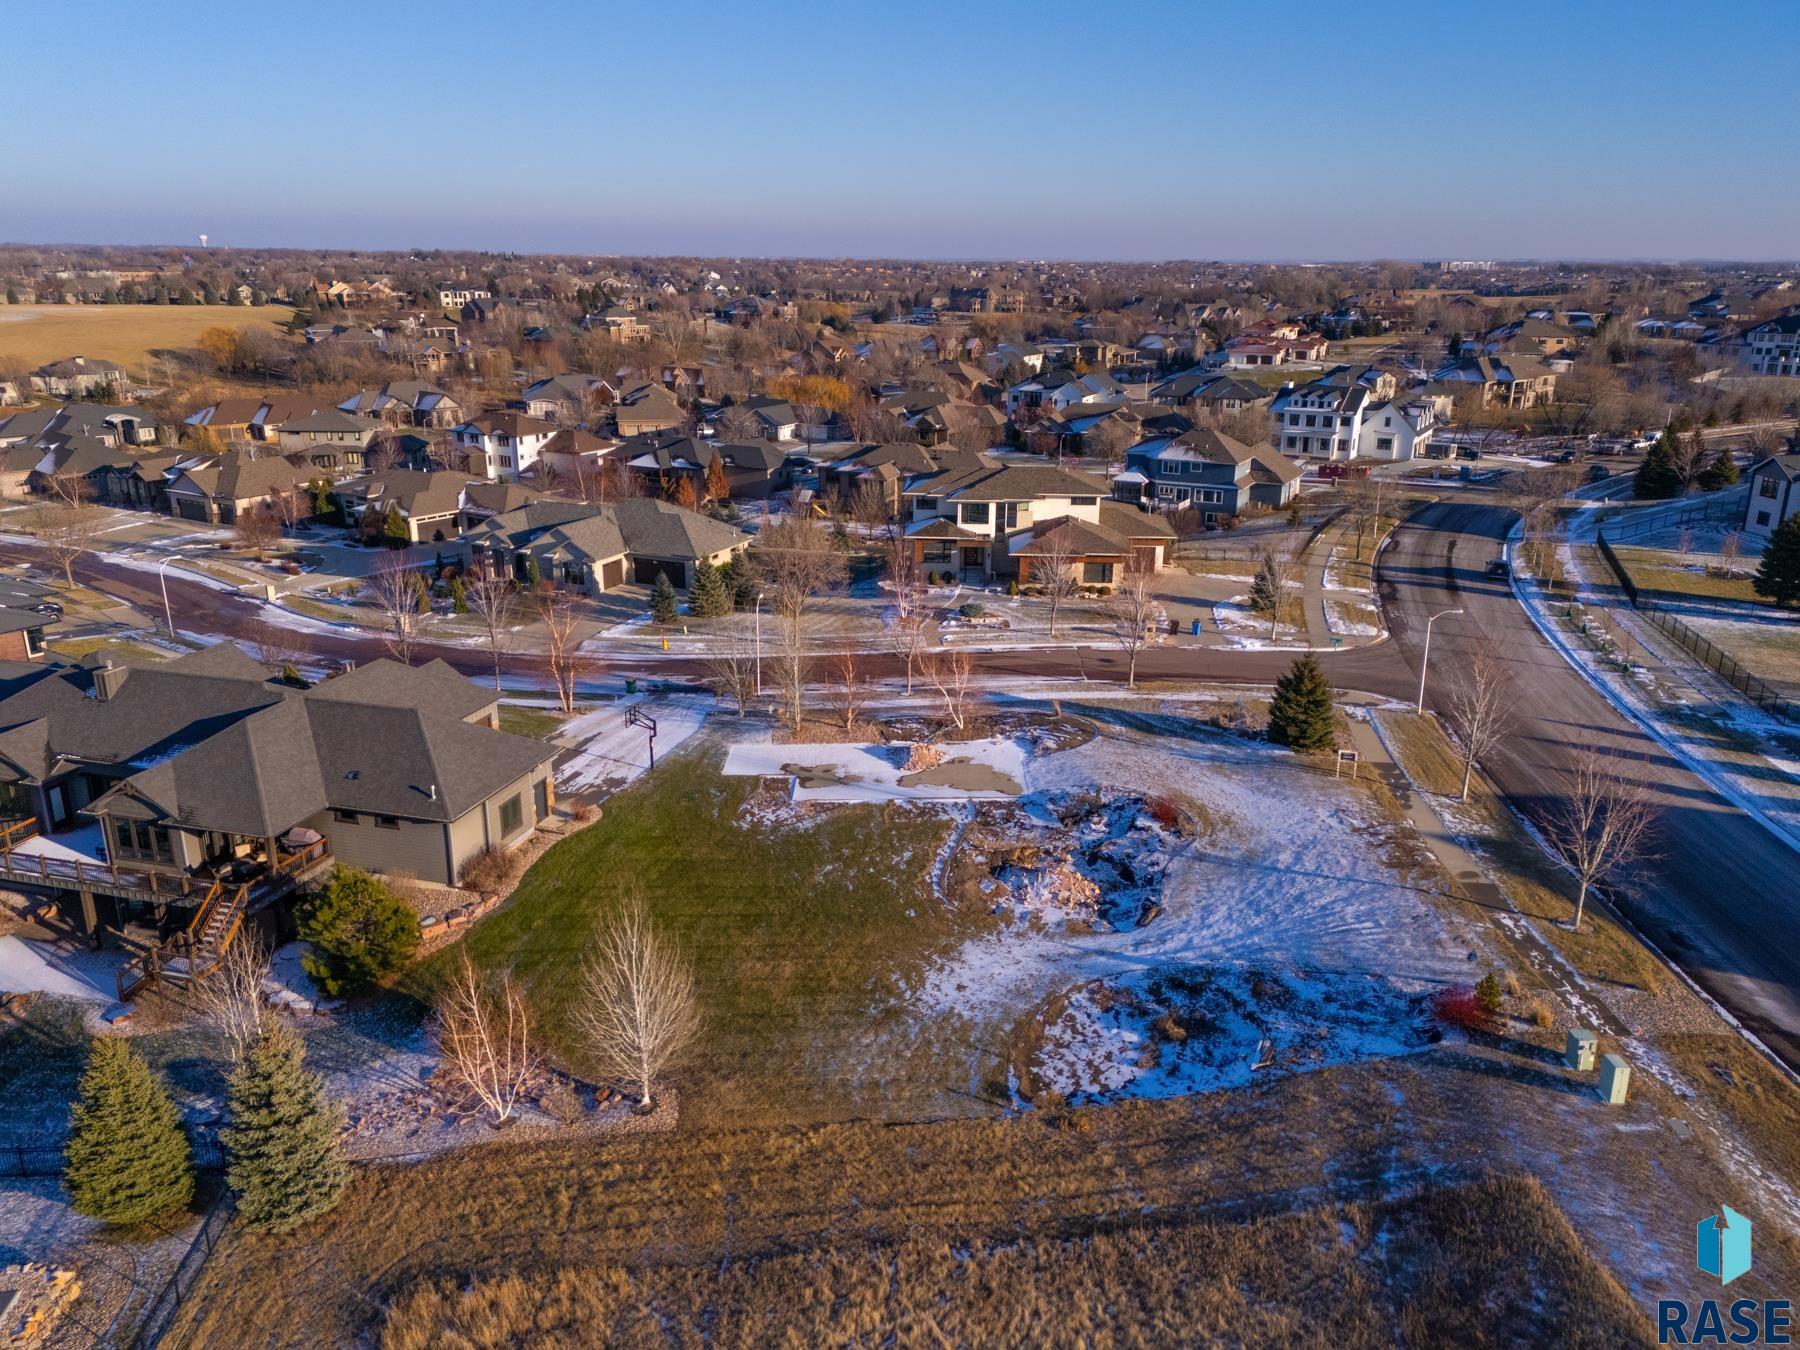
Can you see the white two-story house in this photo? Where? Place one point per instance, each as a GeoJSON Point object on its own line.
{"type": "Point", "coordinates": [1773, 348]}
{"type": "Point", "coordinates": [1348, 416]}
{"type": "Point", "coordinates": [502, 445]}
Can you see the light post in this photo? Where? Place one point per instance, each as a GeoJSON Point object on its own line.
{"type": "Point", "coordinates": [759, 600]}
{"type": "Point", "coordinates": [1425, 661]}
{"type": "Point", "coordinates": [162, 578]}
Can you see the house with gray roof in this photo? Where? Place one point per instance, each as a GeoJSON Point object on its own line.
{"type": "Point", "coordinates": [220, 490]}
{"type": "Point", "coordinates": [175, 787]}
{"type": "Point", "coordinates": [594, 548]}
{"type": "Point", "coordinates": [1206, 471]}
{"type": "Point", "coordinates": [78, 377]}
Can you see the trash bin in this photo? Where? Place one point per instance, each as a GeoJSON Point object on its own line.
{"type": "Point", "coordinates": [631, 686]}
{"type": "Point", "coordinates": [1194, 628]}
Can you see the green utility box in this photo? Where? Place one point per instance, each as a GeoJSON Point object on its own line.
{"type": "Point", "coordinates": [1579, 1053]}
{"type": "Point", "coordinates": [1615, 1079]}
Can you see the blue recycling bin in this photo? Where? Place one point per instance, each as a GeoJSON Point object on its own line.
{"type": "Point", "coordinates": [1194, 628]}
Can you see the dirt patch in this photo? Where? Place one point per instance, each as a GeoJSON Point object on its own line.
{"type": "Point", "coordinates": [965, 775]}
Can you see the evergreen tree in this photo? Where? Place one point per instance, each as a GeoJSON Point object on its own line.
{"type": "Point", "coordinates": [1302, 714]}
{"type": "Point", "coordinates": [740, 581]}
{"type": "Point", "coordinates": [127, 1160]}
{"type": "Point", "coordinates": [1721, 473]}
{"type": "Point", "coordinates": [359, 930]}
{"type": "Point", "coordinates": [1265, 587]}
{"type": "Point", "coordinates": [1657, 476]}
{"type": "Point", "coordinates": [1778, 578]}
{"type": "Point", "coordinates": [282, 1140]}
{"type": "Point", "coordinates": [393, 528]}
{"type": "Point", "coordinates": [708, 596]}
{"type": "Point", "coordinates": [459, 597]}
{"type": "Point", "coordinates": [663, 604]}
{"type": "Point", "coordinates": [533, 573]}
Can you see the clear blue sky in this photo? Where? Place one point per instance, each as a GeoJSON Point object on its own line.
{"type": "Point", "coordinates": [917, 129]}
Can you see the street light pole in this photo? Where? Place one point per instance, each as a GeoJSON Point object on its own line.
{"type": "Point", "coordinates": [162, 577]}
{"type": "Point", "coordinates": [1425, 661]}
{"type": "Point", "coordinates": [759, 600]}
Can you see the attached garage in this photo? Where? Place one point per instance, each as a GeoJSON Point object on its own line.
{"type": "Point", "coordinates": [612, 573]}
{"type": "Point", "coordinates": [189, 508]}
{"type": "Point", "coordinates": [646, 570]}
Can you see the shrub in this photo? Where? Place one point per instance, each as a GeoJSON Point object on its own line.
{"type": "Point", "coordinates": [1510, 983]}
{"type": "Point", "coordinates": [1487, 994]}
{"type": "Point", "coordinates": [582, 812]}
{"type": "Point", "coordinates": [490, 871]}
{"type": "Point", "coordinates": [1539, 1013]}
{"type": "Point", "coordinates": [1458, 1007]}
{"type": "Point", "coordinates": [973, 610]}
{"type": "Point", "coordinates": [559, 1100]}
{"type": "Point", "coordinates": [359, 930]}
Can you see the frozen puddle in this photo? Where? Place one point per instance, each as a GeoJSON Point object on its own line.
{"type": "Point", "coordinates": [990, 770]}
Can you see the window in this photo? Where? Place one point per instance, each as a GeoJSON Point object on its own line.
{"type": "Point", "coordinates": [387, 822]}
{"type": "Point", "coordinates": [1762, 517]}
{"type": "Point", "coordinates": [1766, 486]}
{"type": "Point", "coordinates": [1384, 445]}
{"type": "Point", "coordinates": [1010, 515]}
{"type": "Point", "coordinates": [512, 814]}
{"type": "Point", "coordinates": [1292, 441]}
{"type": "Point", "coordinates": [927, 503]}
{"type": "Point", "coordinates": [1097, 574]}
{"type": "Point", "coordinates": [345, 817]}
{"type": "Point", "coordinates": [1084, 501]}
{"type": "Point", "coordinates": [975, 513]}
{"type": "Point", "coordinates": [122, 834]}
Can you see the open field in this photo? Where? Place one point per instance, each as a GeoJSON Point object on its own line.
{"type": "Point", "coordinates": [1662, 574]}
{"type": "Point", "coordinates": [38, 334]}
{"type": "Point", "coordinates": [1770, 651]}
{"type": "Point", "coordinates": [1416, 1269]}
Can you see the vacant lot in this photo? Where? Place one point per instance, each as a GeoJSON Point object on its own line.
{"type": "Point", "coordinates": [38, 334]}
{"type": "Point", "coordinates": [1666, 575]}
{"type": "Point", "coordinates": [1417, 1270]}
{"type": "Point", "coordinates": [1769, 651]}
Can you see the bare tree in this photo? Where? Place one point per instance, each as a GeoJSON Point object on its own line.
{"type": "Point", "coordinates": [490, 599]}
{"type": "Point", "coordinates": [398, 591]}
{"type": "Point", "coordinates": [258, 528]}
{"type": "Point", "coordinates": [795, 559]}
{"type": "Point", "coordinates": [732, 673]}
{"type": "Point", "coordinates": [486, 1038]}
{"type": "Point", "coordinates": [1272, 586]}
{"type": "Point", "coordinates": [1134, 610]}
{"type": "Point", "coordinates": [951, 671]}
{"type": "Point", "coordinates": [1604, 823]}
{"type": "Point", "coordinates": [276, 646]}
{"type": "Point", "coordinates": [1480, 711]}
{"type": "Point", "coordinates": [1053, 568]}
{"type": "Point", "coordinates": [67, 523]}
{"type": "Point", "coordinates": [555, 609]}
{"type": "Point", "coordinates": [637, 1010]}
{"type": "Point", "coordinates": [230, 999]}
{"type": "Point", "coordinates": [852, 685]}
{"type": "Point", "coordinates": [906, 582]}
{"type": "Point", "coordinates": [869, 508]}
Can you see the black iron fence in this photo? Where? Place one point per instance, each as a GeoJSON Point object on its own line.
{"type": "Point", "coordinates": [161, 1313]}
{"type": "Point", "coordinates": [1709, 654]}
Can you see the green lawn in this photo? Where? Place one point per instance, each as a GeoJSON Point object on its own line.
{"type": "Point", "coordinates": [1661, 574]}
{"type": "Point", "coordinates": [801, 937]}
{"type": "Point", "coordinates": [541, 723]}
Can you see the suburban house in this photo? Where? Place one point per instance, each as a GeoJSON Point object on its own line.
{"type": "Point", "coordinates": [776, 419]}
{"type": "Point", "coordinates": [78, 377]}
{"type": "Point", "coordinates": [111, 425]}
{"type": "Point", "coordinates": [1774, 492]}
{"type": "Point", "coordinates": [1498, 381]}
{"type": "Point", "coordinates": [22, 634]}
{"type": "Point", "coordinates": [1059, 387]}
{"type": "Point", "coordinates": [752, 470]}
{"type": "Point", "coordinates": [1270, 343]}
{"type": "Point", "coordinates": [1773, 348]}
{"type": "Point", "coordinates": [649, 407]}
{"type": "Point", "coordinates": [1527, 337]}
{"type": "Point", "coordinates": [455, 297]}
{"type": "Point", "coordinates": [965, 517]}
{"type": "Point", "coordinates": [329, 439]}
{"type": "Point", "coordinates": [885, 468]}
{"type": "Point", "coordinates": [1206, 471]}
{"type": "Point", "coordinates": [205, 782]}
{"type": "Point", "coordinates": [1097, 552]}
{"type": "Point", "coordinates": [406, 403]}
{"type": "Point", "coordinates": [567, 399]}
{"type": "Point", "coordinates": [1210, 389]}
{"type": "Point", "coordinates": [502, 444]}
{"type": "Point", "coordinates": [595, 548]}
{"type": "Point", "coordinates": [1353, 415]}
{"type": "Point", "coordinates": [418, 505]}
{"type": "Point", "coordinates": [222, 489]}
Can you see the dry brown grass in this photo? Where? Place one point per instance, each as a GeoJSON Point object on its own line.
{"type": "Point", "coordinates": [37, 334]}
{"type": "Point", "coordinates": [1419, 1269]}
{"type": "Point", "coordinates": [1760, 1100]}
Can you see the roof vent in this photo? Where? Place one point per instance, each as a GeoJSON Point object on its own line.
{"type": "Point", "coordinates": [431, 791]}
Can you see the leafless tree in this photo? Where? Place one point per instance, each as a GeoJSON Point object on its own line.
{"type": "Point", "coordinates": [1134, 610]}
{"type": "Point", "coordinates": [1481, 712]}
{"type": "Point", "coordinates": [869, 508]}
{"type": "Point", "coordinates": [258, 528]}
{"type": "Point", "coordinates": [230, 999]}
{"type": "Point", "coordinates": [951, 671]}
{"type": "Point", "coordinates": [906, 582]}
{"type": "Point", "coordinates": [853, 686]}
{"type": "Point", "coordinates": [795, 559]}
{"type": "Point", "coordinates": [398, 591]}
{"type": "Point", "coordinates": [732, 672]}
{"type": "Point", "coordinates": [637, 1010]}
{"type": "Point", "coordinates": [1053, 568]}
{"type": "Point", "coordinates": [556, 612]}
{"type": "Point", "coordinates": [485, 1035]}
{"type": "Point", "coordinates": [1273, 586]}
{"type": "Point", "coordinates": [67, 523]}
{"type": "Point", "coordinates": [490, 599]}
{"type": "Point", "coordinates": [1604, 823]}
{"type": "Point", "coordinates": [274, 645]}
{"type": "Point", "coordinates": [737, 423]}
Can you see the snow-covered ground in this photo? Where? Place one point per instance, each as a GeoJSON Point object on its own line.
{"type": "Point", "coordinates": [986, 770]}
{"type": "Point", "coordinates": [610, 753]}
{"type": "Point", "coordinates": [42, 968]}
{"type": "Point", "coordinates": [1248, 630]}
{"type": "Point", "coordinates": [1279, 922]}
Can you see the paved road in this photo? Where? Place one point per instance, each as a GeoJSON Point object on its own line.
{"type": "Point", "coordinates": [1721, 897]}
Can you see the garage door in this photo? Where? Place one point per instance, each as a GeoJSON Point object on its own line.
{"type": "Point", "coordinates": [612, 574]}
{"type": "Point", "coordinates": [646, 570]}
{"type": "Point", "coordinates": [190, 508]}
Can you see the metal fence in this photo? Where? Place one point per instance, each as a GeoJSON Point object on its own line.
{"type": "Point", "coordinates": [45, 1161]}
{"type": "Point", "coordinates": [1713, 509]}
{"type": "Point", "coordinates": [161, 1314]}
{"type": "Point", "coordinates": [1715, 658]}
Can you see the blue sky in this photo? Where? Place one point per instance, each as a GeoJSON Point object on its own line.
{"type": "Point", "coordinates": [1285, 131]}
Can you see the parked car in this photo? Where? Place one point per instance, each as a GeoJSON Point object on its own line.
{"type": "Point", "coordinates": [1499, 569]}
{"type": "Point", "coordinates": [1599, 474]}
{"type": "Point", "coordinates": [1468, 452]}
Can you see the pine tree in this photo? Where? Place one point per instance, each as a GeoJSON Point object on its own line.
{"type": "Point", "coordinates": [127, 1160]}
{"type": "Point", "coordinates": [393, 528]}
{"type": "Point", "coordinates": [1657, 476]}
{"type": "Point", "coordinates": [1721, 473]}
{"type": "Point", "coordinates": [282, 1140]}
{"type": "Point", "coordinates": [1265, 588]}
{"type": "Point", "coordinates": [1778, 578]}
{"type": "Point", "coordinates": [663, 604]}
{"type": "Point", "coordinates": [359, 930]}
{"type": "Point", "coordinates": [1302, 714]}
{"type": "Point", "coordinates": [708, 597]}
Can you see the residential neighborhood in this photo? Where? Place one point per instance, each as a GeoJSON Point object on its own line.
{"type": "Point", "coordinates": [607, 743]}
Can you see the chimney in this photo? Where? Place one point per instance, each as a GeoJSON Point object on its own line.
{"type": "Point", "coordinates": [108, 680]}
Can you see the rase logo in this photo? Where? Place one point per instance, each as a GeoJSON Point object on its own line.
{"type": "Point", "coordinates": [1722, 1250]}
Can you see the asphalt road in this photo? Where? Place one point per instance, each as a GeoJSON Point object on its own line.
{"type": "Point", "coordinates": [1721, 895]}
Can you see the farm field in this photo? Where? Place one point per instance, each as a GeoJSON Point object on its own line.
{"type": "Point", "coordinates": [38, 334]}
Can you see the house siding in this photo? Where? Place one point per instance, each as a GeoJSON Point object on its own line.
{"type": "Point", "coordinates": [416, 848]}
